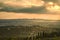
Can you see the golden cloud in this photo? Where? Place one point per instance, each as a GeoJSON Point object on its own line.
{"type": "Point", "coordinates": [52, 7]}
{"type": "Point", "coordinates": [24, 3]}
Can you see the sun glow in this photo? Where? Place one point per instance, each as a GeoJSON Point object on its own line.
{"type": "Point", "coordinates": [11, 15]}
{"type": "Point", "coordinates": [52, 7]}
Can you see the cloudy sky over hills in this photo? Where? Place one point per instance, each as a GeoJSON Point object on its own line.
{"type": "Point", "coordinates": [20, 9]}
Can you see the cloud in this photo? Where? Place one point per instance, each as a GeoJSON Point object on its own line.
{"type": "Point", "coordinates": [27, 6]}
{"type": "Point", "coordinates": [24, 10]}
{"type": "Point", "coordinates": [54, 1]}
{"type": "Point", "coordinates": [33, 9]}
{"type": "Point", "coordinates": [24, 3]}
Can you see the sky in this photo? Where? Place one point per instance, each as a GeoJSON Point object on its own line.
{"type": "Point", "coordinates": [30, 9]}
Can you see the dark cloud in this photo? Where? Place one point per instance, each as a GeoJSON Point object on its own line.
{"type": "Point", "coordinates": [24, 10]}
{"type": "Point", "coordinates": [41, 9]}
{"type": "Point", "coordinates": [33, 9]}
